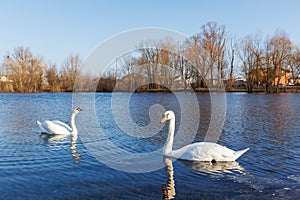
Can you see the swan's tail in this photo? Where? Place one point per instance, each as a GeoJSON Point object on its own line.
{"type": "Point", "coordinates": [41, 127]}
{"type": "Point", "coordinates": [237, 154]}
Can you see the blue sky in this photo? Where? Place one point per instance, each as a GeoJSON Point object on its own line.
{"type": "Point", "coordinates": [56, 28]}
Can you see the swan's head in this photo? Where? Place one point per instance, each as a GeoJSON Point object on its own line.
{"type": "Point", "coordinates": [77, 110]}
{"type": "Point", "coordinates": [167, 116]}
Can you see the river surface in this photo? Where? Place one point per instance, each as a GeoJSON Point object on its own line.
{"type": "Point", "coordinates": [118, 151]}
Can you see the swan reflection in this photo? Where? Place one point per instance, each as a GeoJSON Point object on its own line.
{"type": "Point", "coordinates": [53, 138]}
{"type": "Point", "coordinates": [205, 167]}
{"type": "Point", "coordinates": [214, 167]}
{"type": "Point", "coordinates": [169, 189]}
{"type": "Point", "coordinates": [76, 155]}
{"type": "Point", "coordinates": [60, 139]}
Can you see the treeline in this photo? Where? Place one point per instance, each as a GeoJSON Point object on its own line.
{"type": "Point", "coordinates": [204, 60]}
{"type": "Point", "coordinates": [25, 72]}
{"type": "Point", "coordinates": [212, 59]}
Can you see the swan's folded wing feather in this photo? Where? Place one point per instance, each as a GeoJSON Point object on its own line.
{"type": "Point", "coordinates": [195, 152]}
{"type": "Point", "coordinates": [55, 128]}
{"type": "Point", "coordinates": [218, 152]}
{"type": "Point", "coordinates": [204, 151]}
{"type": "Point", "coordinates": [222, 153]}
{"type": "Point", "coordinates": [62, 124]}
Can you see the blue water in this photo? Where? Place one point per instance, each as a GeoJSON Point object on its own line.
{"type": "Point", "coordinates": [34, 166]}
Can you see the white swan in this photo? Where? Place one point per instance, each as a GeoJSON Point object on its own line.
{"type": "Point", "coordinates": [56, 127]}
{"type": "Point", "coordinates": [200, 151]}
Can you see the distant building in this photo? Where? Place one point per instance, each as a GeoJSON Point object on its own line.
{"type": "Point", "coordinates": [294, 81]}
{"type": "Point", "coordinates": [3, 78]}
{"type": "Point", "coordinates": [284, 77]}
{"type": "Point", "coordinates": [240, 83]}
{"type": "Point", "coordinates": [6, 84]}
{"type": "Point", "coordinates": [281, 76]}
{"type": "Point", "coordinates": [130, 82]}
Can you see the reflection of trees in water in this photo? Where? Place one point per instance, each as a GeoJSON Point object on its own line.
{"type": "Point", "coordinates": [168, 189]}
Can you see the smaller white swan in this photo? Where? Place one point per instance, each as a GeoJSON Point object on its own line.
{"type": "Point", "coordinates": [200, 151]}
{"type": "Point", "coordinates": [56, 127]}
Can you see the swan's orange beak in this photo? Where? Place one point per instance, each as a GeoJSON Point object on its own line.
{"type": "Point", "coordinates": [163, 119]}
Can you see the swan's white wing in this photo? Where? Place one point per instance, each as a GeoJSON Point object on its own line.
{"type": "Point", "coordinates": [62, 124]}
{"type": "Point", "coordinates": [51, 127]}
{"type": "Point", "coordinates": [194, 152]}
{"type": "Point", "coordinates": [204, 151]}
{"type": "Point", "coordinates": [221, 153]}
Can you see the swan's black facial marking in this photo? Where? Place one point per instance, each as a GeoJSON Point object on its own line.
{"type": "Point", "coordinates": [164, 118]}
{"type": "Point", "coordinates": [78, 109]}
{"type": "Point", "coordinates": [167, 115]}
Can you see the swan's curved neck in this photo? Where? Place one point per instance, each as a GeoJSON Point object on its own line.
{"type": "Point", "coordinates": [73, 126]}
{"type": "Point", "coordinates": [170, 139]}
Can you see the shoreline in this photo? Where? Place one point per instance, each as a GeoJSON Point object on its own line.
{"type": "Point", "coordinates": [288, 89]}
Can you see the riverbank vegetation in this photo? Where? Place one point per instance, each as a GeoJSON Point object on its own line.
{"type": "Point", "coordinates": [208, 60]}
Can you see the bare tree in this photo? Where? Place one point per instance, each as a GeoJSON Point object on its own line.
{"type": "Point", "coordinates": [231, 54]}
{"type": "Point", "coordinates": [127, 66]}
{"type": "Point", "coordinates": [53, 78]}
{"type": "Point", "coordinates": [248, 59]}
{"type": "Point", "coordinates": [214, 40]}
{"type": "Point", "coordinates": [278, 52]}
{"type": "Point", "coordinates": [70, 72]}
{"type": "Point", "coordinates": [251, 54]}
{"type": "Point", "coordinates": [150, 58]}
{"type": "Point", "coordinates": [171, 63]}
{"type": "Point", "coordinates": [294, 63]}
{"type": "Point", "coordinates": [146, 60]}
{"type": "Point", "coordinates": [198, 67]}
{"type": "Point", "coordinates": [25, 70]}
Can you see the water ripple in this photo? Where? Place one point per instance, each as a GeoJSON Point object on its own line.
{"type": "Point", "coordinates": [59, 168]}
